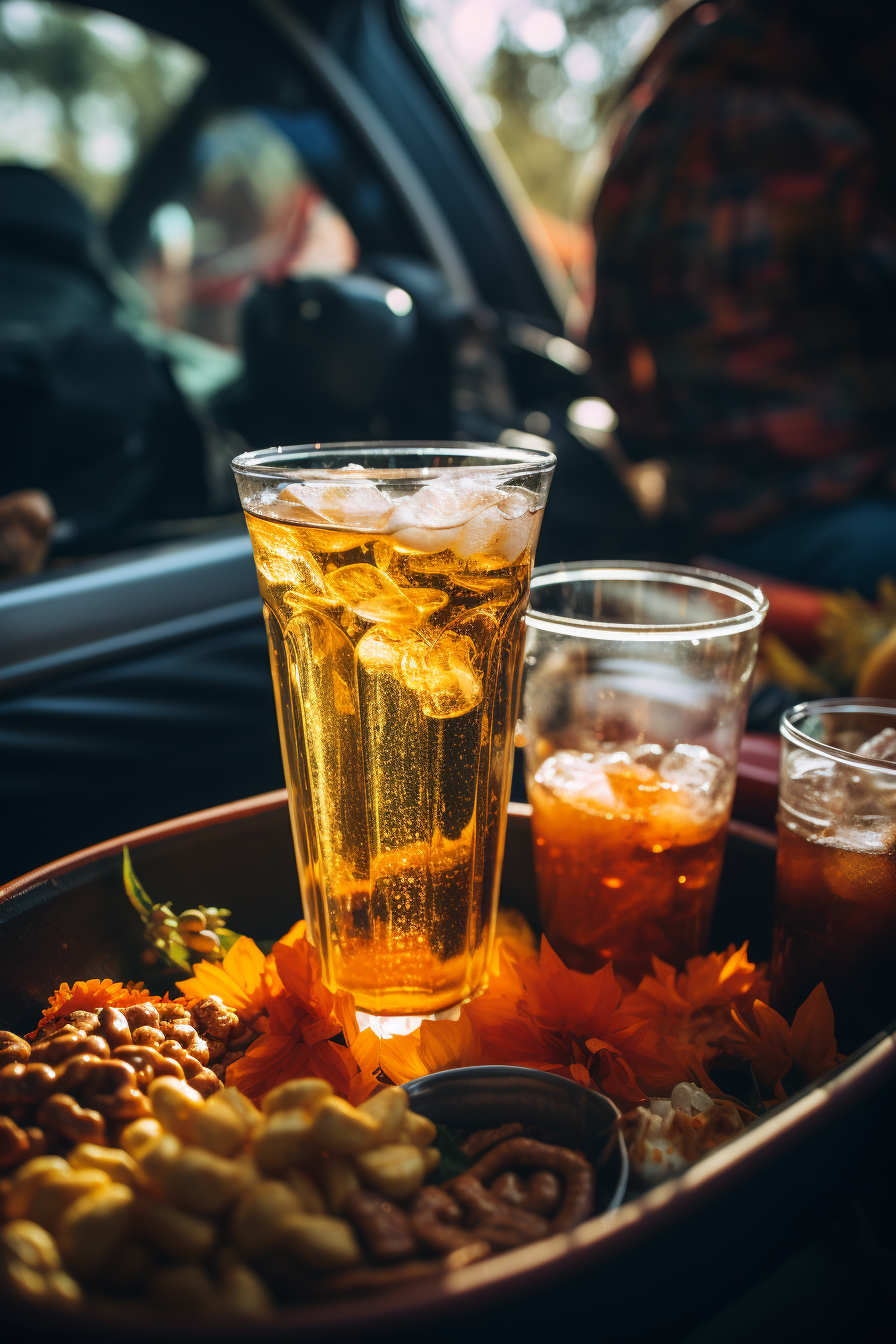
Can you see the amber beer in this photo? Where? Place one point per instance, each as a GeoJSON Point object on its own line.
{"type": "Point", "coordinates": [835, 901]}
{"type": "Point", "coordinates": [637, 681]}
{"type": "Point", "coordinates": [628, 861]}
{"type": "Point", "coordinates": [396, 647]}
{"type": "Point", "coordinates": [835, 924]}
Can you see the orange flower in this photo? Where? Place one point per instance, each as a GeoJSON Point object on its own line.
{"type": "Point", "coordinates": [693, 1007]}
{"type": "Point", "coordinates": [91, 995]}
{"type": "Point", "coordinates": [301, 1018]}
{"type": "Point", "coordinates": [808, 1045]}
{"type": "Point", "coordinates": [433, 1047]}
{"type": "Point", "coordinates": [238, 980]}
{"type": "Point", "coordinates": [538, 1014]}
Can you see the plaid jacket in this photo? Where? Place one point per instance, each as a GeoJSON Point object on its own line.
{"type": "Point", "coordinates": [744, 325]}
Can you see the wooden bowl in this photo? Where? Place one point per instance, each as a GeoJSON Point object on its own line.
{"type": "Point", "coordinates": [675, 1254]}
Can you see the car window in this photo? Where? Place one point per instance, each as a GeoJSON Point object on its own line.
{"type": "Point", "coordinates": [84, 92]}
{"type": "Point", "coordinates": [205, 188]}
{"type": "Point", "coordinates": [535, 82]}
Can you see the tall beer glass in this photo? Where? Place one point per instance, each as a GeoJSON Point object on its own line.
{"type": "Point", "coordinates": [637, 682]}
{"type": "Point", "coordinates": [395, 579]}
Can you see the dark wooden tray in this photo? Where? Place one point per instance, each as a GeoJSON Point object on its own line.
{"type": "Point", "coordinates": [664, 1261]}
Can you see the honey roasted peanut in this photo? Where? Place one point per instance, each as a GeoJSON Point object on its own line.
{"type": "Point", "coordinates": [13, 1049]}
{"type": "Point", "coordinates": [78, 1124]}
{"type": "Point", "coordinates": [114, 1026]}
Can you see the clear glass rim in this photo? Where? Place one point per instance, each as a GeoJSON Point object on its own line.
{"type": "Point", "coordinates": [838, 704]}
{"type": "Point", "coordinates": [705, 580]}
{"type": "Point", "coordinates": [289, 463]}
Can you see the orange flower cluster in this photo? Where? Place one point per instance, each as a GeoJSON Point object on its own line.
{"type": "Point", "coordinates": [283, 996]}
{"type": "Point", "coordinates": [536, 1013]}
{"type": "Point", "coordinates": [90, 995]}
{"type": "Point", "coordinates": [694, 1006]}
{"type": "Point", "coordinates": [808, 1047]}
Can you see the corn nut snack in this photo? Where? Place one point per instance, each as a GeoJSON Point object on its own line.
{"type": "Point", "coordinates": [206, 1205]}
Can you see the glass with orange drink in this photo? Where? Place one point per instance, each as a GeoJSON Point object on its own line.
{"type": "Point", "coordinates": [636, 690]}
{"type": "Point", "coordinates": [835, 901]}
{"type": "Point", "coordinates": [395, 579]}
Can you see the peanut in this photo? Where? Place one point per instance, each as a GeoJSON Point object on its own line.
{"type": "Point", "coordinates": [343, 1131]}
{"type": "Point", "coordinates": [57, 1048]}
{"type": "Point", "coordinates": [320, 1242]}
{"type": "Point", "coordinates": [256, 1223]}
{"type": "Point", "coordinates": [139, 1136]}
{"type": "Point", "coordinates": [52, 1197]}
{"type": "Point", "coordinates": [13, 1049]}
{"type": "Point", "coordinates": [203, 1080]}
{"type": "Point", "coordinates": [30, 1269]}
{"type": "Point", "coordinates": [219, 1127]}
{"type": "Point", "coordinates": [14, 1143]}
{"type": "Point", "coordinates": [92, 1228]}
{"type": "Point", "coordinates": [416, 1129]}
{"type": "Point", "coordinates": [178, 1234]}
{"type": "Point", "coordinates": [62, 1113]}
{"type": "Point", "coordinates": [97, 1046]}
{"type": "Point", "coordinates": [158, 1157]}
{"type": "Point", "coordinates": [242, 1293]}
{"type": "Point", "coordinates": [142, 1015]}
{"type": "Point", "coordinates": [183, 1290]}
{"type": "Point", "coordinates": [337, 1178]}
{"type": "Point", "coordinates": [174, 1105]}
{"type": "Point", "coordinates": [305, 1190]}
{"type": "Point", "coordinates": [387, 1109]}
{"type": "Point", "coordinates": [25, 1181]}
{"type": "Point", "coordinates": [202, 1182]}
{"type": "Point", "coordinates": [118, 1165]}
{"type": "Point", "coordinates": [299, 1093]}
{"type": "Point", "coordinates": [128, 1268]}
{"type": "Point", "coordinates": [395, 1169]}
{"type": "Point", "coordinates": [114, 1026]}
{"type": "Point", "coordinates": [251, 1115]}
{"type": "Point", "coordinates": [29, 1243]}
{"type": "Point", "coordinates": [283, 1140]}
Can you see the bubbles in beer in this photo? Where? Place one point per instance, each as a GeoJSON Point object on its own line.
{"type": "Point", "coordinates": [396, 631]}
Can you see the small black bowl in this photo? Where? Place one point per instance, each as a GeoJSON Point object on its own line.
{"type": "Point", "coordinates": [498, 1094]}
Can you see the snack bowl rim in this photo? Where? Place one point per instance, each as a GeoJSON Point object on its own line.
{"type": "Point", "coordinates": [451, 1083]}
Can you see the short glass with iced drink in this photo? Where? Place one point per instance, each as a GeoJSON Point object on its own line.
{"type": "Point", "coordinates": [835, 901]}
{"type": "Point", "coordinates": [395, 579]}
{"type": "Point", "coordinates": [636, 688]}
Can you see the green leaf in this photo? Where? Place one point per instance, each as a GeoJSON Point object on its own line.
{"type": "Point", "coordinates": [180, 955]}
{"type": "Point", "coordinates": [454, 1159]}
{"type": "Point", "coordinates": [227, 938]}
{"type": "Point", "coordinates": [136, 894]}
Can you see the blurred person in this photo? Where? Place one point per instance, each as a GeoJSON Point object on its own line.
{"type": "Point", "coordinates": [744, 326]}
{"type": "Point", "coordinates": [94, 428]}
